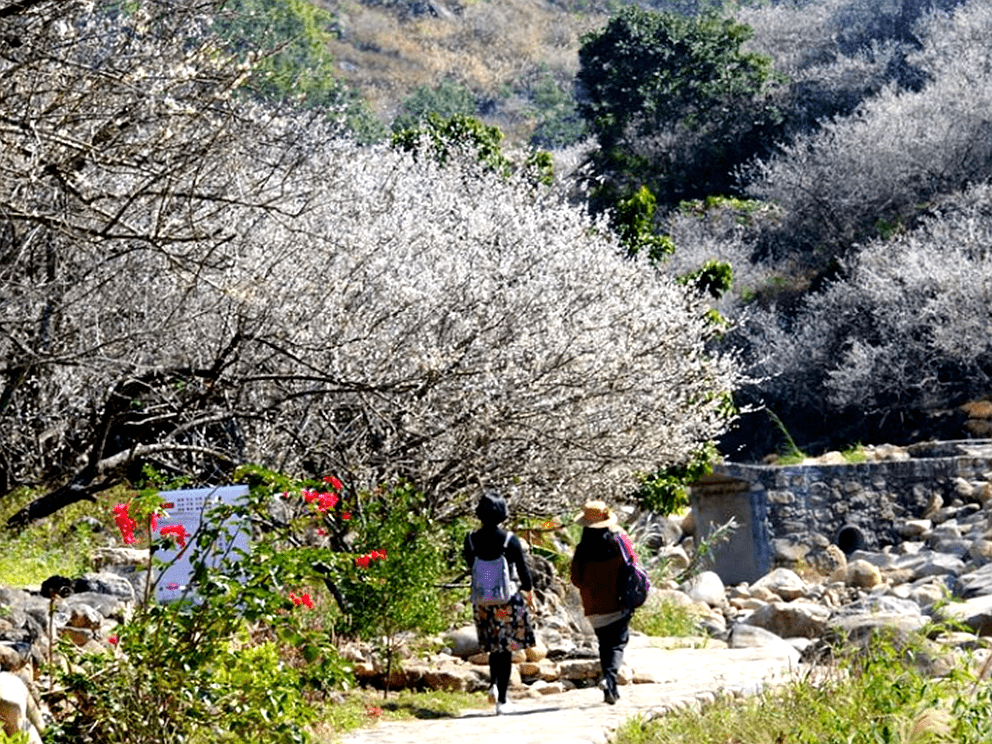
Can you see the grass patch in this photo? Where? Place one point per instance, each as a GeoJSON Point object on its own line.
{"type": "Point", "coordinates": [873, 697]}
{"type": "Point", "coordinates": [59, 544]}
{"type": "Point", "coordinates": [855, 453]}
{"type": "Point", "coordinates": [666, 618]}
{"type": "Point", "coordinates": [366, 708]}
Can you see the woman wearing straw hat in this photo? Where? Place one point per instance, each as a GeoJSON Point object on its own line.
{"type": "Point", "coordinates": [502, 628]}
{"type": "Point", "coordinates": [597, 568]}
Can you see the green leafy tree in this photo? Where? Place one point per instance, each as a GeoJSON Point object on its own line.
{"type": "Point", "coordinates": [675, 102]}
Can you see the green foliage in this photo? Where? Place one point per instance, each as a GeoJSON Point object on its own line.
{"type": "Point", "coordinates": [295, 65]}
{"type": "Point", "coordinates": [59, 545]}
{"type": "Point", "coordinates": [445, 100]}
{"type": "Point", "coordinates": [633, 220]}
{"type": "Point", "coordinates": [648, 75]}
{"type": "Point", "coordinates": [184, 667]}
{"type": "Point", "coordinates": [559, 122]}
{"type": "Point", "coordinates": [855, 453]}
{"type": "Point", "coordinates": [652, 70]}
{"type": "Point", "coordinates": [664, 491]}
{"type": "Point", "coordinates": [392, 584]}
{"type": "Point", "coordinates": [790, 453]}
{"type": "Point", "coordinates": [713, 278]}
{"type": "Point", "coordinates": [444, 137]}
{"type": "Point", "coordinates": [250, 658]}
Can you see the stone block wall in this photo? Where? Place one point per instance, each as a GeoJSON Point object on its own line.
{"type": "Point", "coordinates": [799, 510]}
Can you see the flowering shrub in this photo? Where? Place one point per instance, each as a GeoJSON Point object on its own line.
{"type": "Point", "coordinates": [248, 660]}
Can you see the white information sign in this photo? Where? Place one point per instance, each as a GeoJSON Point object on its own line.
{"type": "Point", "coordinates": [187, 508]}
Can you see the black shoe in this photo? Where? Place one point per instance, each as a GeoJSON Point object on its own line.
{"type": "Point", "coordinates": [610, 694]}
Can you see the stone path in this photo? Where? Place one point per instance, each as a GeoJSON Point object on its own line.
{"type": "Point", "coordinates": [680, 676]}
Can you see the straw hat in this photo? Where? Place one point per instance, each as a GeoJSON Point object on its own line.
{"type": "Point", "coordinates": [596, 514]}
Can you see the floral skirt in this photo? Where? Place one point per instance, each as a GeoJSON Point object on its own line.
{"type": "Point", "coordinates": [504, 627]}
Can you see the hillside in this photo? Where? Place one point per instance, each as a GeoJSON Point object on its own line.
{"type": "Point", "coordinates": [506, 53]}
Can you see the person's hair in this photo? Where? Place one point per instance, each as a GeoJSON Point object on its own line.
{"type": "Point", "coordinates": [491, 509]}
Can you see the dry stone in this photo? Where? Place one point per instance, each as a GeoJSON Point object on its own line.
{"type": "Point", "coordinates": [18, 711]}
{"type": "Point", "coordinates": [863, 575]}
{"type": "Point", "coordinates": [784, 583]}
{"type": "Point", "coordinates": [792, 619]}
{"type": "Point", "coordinates": [706, 587]}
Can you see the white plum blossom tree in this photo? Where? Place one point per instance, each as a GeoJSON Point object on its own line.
{"type": "Point", "coordinates": [868, 173]}
{"type": "Point", "coordinates": [193, 282]}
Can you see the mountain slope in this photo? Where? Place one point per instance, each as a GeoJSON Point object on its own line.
{"type": "Point", "coordinates": [503, 51]}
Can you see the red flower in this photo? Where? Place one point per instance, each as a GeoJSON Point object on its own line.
{"type": "Point", "coordinates": [177, 530]}
{"type": "Point", "coordinates": [346, 516]}
{"type": "Point", "coordinates": [112, 640]}
{"type": "Point", "coordinates": [321, 531]}
{"type": "Point", "coordinates": [326, 501]}
{"type": "Point", "coordinates": [124, 523]}
{"type": "Point", "coordinates": [309, 495]}
{"type": "Point", "coordinates": [364, 560]}
{"type": "Point", "coordinates": [303, 599]}
{"type": "Point", "coordinates": [153, 521]}
{"type": "Point", "coordinates": [333, 482]}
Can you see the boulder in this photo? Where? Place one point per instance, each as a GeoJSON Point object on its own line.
{"type": "Point", "coordinates": [792, 619]}
{"type": "Point", "coordinates": [706, 587]}
{"type": "Point", "coordinates": [745, 635]}
{"type": "Point", "coordinates": [18, 711]}
{"type": "Point", "coordinates": [463, 642]}
{"type": "Point", "coordinates": [784, 583]}
{"type": "Point", "coordinates": [863, 575]}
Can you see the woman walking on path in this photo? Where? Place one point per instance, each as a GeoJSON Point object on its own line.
{"type": "Point", "coordinates": [502, 626]}
{"type": "Point", "coordinates": [598, 566]}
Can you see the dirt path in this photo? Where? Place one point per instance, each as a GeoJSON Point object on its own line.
{"type": "Point", "coordinates": [680, 676]}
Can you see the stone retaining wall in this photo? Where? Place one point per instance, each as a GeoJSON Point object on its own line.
{"type": "Point", "coordinates": [788, 514]}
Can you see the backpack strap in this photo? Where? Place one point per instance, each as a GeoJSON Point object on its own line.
{"type": "Point", "coordinates": [509, 536]}
{"type": "Point", "coordinates": [628, 557]}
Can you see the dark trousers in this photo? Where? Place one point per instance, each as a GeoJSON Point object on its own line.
{"type": "Point", "coordinates": [612, 641]}
{"type": "Point", "coordinates": [500, 665]}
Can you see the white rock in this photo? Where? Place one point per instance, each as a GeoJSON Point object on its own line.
{"type": "Point", "coordinates": [18, 713]}
{"type": "Point", "coordinates": [785, 583]}
{"type": "Point", "coordinates": [913, 528]}
{"type": "Point", "coordinates": [706, 587]}
{"type": "Point", "coordinates": [792, 619]}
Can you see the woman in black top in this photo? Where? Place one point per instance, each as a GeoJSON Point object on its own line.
{"type": "Point", "coordinates": [502, 628]}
